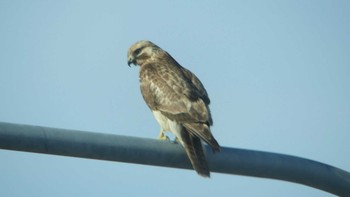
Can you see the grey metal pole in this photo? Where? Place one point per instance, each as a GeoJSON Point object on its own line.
{"type": "Point", "coordinates": [163, 153]}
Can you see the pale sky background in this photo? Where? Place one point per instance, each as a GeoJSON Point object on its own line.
{"type": "Point", "coordinates": [277, 72]}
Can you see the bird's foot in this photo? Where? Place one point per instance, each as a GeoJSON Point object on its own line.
{"type": "Point", "coordinates": [176, 141]}
{"type": "Point", "coordinates": [163, 137]}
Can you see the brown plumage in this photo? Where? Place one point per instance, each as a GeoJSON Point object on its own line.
{"type": "Point", "coordinates": [177, 99]}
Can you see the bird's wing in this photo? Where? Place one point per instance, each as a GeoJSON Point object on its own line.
{"type": "Point", "coordinates": [168, 88]}
{"type": "Point", "coordinates": [178, 95]}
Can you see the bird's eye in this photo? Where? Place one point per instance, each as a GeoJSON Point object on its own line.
{"type": "Point", "coordinates": [137, 51]}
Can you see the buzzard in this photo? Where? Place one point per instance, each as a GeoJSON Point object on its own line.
{"type": "Point", "coordinates": [178, 100]}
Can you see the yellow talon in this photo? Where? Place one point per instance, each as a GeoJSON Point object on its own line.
{"type": "Point", "coordinates": [176, 141]}
{"type": "Point", "coordinates": [162, 136]}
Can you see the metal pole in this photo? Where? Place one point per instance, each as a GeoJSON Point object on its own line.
{"type": "Point", "coordinates": [163, 153]}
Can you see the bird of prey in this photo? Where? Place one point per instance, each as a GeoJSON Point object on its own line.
{"type": "Point", "coordinates": [178, 100]}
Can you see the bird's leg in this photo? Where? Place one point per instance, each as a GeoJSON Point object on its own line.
{"type": "Point", "coordinates": [176, 141]}
{"type": "Point", "coordinates": [162, 136]}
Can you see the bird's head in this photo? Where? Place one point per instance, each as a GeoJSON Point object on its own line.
{"type": "Point", "coordinates": [139, 52]}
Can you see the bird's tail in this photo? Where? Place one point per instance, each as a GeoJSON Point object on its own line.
{"type": "Point", "coordinates": [203, 132]}
{"type": "Point", "coordinates": [195, 152]}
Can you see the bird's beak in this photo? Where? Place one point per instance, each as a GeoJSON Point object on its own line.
{"type": "Point", "coordinates": [131, 60]}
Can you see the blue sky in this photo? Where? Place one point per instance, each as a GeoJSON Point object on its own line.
{"type": "Point", "coordinates": [277, 73]}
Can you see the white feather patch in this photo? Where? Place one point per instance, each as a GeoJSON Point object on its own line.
{"type": "Point", "coordinates": [168, 125]}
